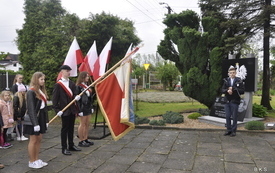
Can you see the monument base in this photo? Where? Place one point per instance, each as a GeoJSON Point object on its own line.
{"type": "Point", "coordinates": [221, 121]}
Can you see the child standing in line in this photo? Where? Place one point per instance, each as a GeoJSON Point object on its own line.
{"type": "Point", "coordinates": [38, 120]}
{"type": "Point", "coordinates": [86, 109]}
{"type": "Point", "coordinates": [1, 138]}
{"type": "Point", "coordinates": [19, 107]}
{"type": "Point", "coordinates": [18, 81]}
{"type": "Point", "coordinates": [1, 132]}
{"type": "Point", "coordinates": [6, 111]}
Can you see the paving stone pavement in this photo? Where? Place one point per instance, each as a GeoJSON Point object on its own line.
{"type": "Point", "coordinates": [152, 151]}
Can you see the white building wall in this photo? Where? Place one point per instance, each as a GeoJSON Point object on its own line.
{"type": "Point", "coordinates": [14, 67]}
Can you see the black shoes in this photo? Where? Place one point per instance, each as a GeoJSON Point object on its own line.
{"type": "Point", "coordinates": [232, 134]}
{"type": "Point", "coordinates": [83, 144]}
{"type": "Point", "coordinates": [66, 152]}
{"type": "Point", "coordinates": [227, 133]}
{"type": "Point", "coordinates": [74, 148]}
{"type": "Point", "coordinates": [89, 142]}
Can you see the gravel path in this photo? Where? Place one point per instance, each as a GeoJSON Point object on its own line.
{"type": "Point", "coordinates": [160, 97]}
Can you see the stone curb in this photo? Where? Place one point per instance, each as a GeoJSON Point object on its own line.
{"type": "Point", "coordinates": [196, 129]}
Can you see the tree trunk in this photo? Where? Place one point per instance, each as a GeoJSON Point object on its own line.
{"type": "Point", "coordinates": [265, 101]}
{"type": "Point", "coordinates": [164, 86]}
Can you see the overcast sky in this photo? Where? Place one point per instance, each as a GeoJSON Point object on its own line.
{"type": "Point", "coordinates": [146, 14]}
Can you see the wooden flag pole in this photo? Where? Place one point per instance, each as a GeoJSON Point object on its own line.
{"type": "Point", "coordinates": [96, 81]}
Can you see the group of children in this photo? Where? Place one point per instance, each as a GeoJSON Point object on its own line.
{"type": "Point", "coordinates": [26, 108]}
{"type": "Point", "coordinates": [12, 111]}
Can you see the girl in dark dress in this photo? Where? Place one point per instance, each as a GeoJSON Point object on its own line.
{"type": "Point", "coordinates": [86, 109]}
{"type": "Point", "coordinates": [36, 118]}
{"type": "Point", "coordinates": [19, 110]}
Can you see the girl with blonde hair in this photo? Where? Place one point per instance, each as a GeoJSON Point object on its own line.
{"type": "Point", "coordinates": [19, 109]}
{"type": "Point", "coordinates": [17, 83]}
{"type": "Point", "coordinates": [6, 111]}
{"type": "Point", "coordinates": [36, 119]}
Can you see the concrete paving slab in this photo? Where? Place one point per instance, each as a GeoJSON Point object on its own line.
{"type": "Point", "coordinates": [208, 164]}
{"type": "Point", "coordinates": [147, 150]}
{"type": "Point", "coordinates": [178, 164]}
{"type": "Point", "coordinates": [265, 166]}
{"type": "Point", "coordinates": [231, 167]}
{"type": "Point", "coordinates": [238, 158]}
{"type": "Point", "coordinates": [144, 167]}
{"type": "Point", "coordinates": [153, 158]}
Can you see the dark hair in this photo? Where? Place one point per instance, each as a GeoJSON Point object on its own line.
{"type": "Point", "coordinates": [232, 68]}
{"type": "Point", "coordinates": [81, 77]}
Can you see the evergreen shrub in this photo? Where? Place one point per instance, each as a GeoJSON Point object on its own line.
{"type": "Point", "coordinates": [141, 120]}
{"type": "Point", "coordinates": [203, 111]}
{"type": "Point", "coordinates": [254, 125]}
{"type": "Point", "coordinates": [173, 117]}
{"type": "Point", "coordinates": [259, 110]}
{"type": "Point", "coordinates": [157, 122]}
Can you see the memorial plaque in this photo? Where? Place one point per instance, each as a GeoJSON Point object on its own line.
{"type": "Point", "coordinates": [217, 109]}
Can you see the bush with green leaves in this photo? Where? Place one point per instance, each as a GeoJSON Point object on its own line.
{"type": "Point", "coordinates": [254, 125]}
{"type": "Point", "coordinates": [172, 117]}
{"type": "Point", "coordinates": [203, 111]}
{"type": "Point", "coordinates": [194, 115]}
{"type": "Point", "coordinates": [259, 110]}
{"type": "Point", "coordinates": [272, 92]}
{"type": "Point", "coordinates": [141, 120]}
{"type": "Point", "coordinates": [157, 122]}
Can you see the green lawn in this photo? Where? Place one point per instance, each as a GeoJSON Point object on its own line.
{"type": "Point", "coordinates": [146, 109]}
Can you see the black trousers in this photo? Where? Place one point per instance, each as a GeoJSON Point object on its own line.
{"type": "Point", "coordinates": [67, 131]}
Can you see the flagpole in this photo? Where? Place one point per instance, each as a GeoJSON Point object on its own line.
{"type": "Point", "coordinates": [96, 81]}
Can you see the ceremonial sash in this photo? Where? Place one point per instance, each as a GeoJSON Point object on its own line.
{"type": "Point", "coordinates": [43, 96]}
{"type": "Point", "coordinates": [66, 89]}
{"type": "Point", "coordinates": [84, 86]}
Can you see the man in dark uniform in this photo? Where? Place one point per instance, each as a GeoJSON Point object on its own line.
{"type": "Point", "coordinates": [232, 88]}
{"type": "Point", "coordinates": [63, 93]}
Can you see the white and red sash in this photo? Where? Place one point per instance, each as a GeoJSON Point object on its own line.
{"type": "Point", "coordinates": [85, 86]}
{"type": "Point", "coordinates": [88, 91]}
{"type": "Point", "coordinates": [43, 98]}
{"type": "Point", "coordinates": [66, 89]}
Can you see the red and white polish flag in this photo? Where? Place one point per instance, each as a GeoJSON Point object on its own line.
{"type": "Point", "coordinates": [89, 60]}
{"type": "Point", "coordinates": [73, 58]}
{"type": "Point", "coordinates": [103, 59]}
{"type": "Point", "coordinates": [115, 100]}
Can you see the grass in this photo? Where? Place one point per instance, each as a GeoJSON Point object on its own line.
{"type": "Point", "coordinates": [146, 109]}
{"type": "Point", "coordinates": [271, 113]}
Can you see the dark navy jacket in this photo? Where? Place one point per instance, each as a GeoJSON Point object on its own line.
{"type": "Point", "coordinates": [237, 88]}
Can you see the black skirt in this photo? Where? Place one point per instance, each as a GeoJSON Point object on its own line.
{"type": "Point", "coordinates": [87, 110]}
{"type": "Point", "coordinates": [42, 121]}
